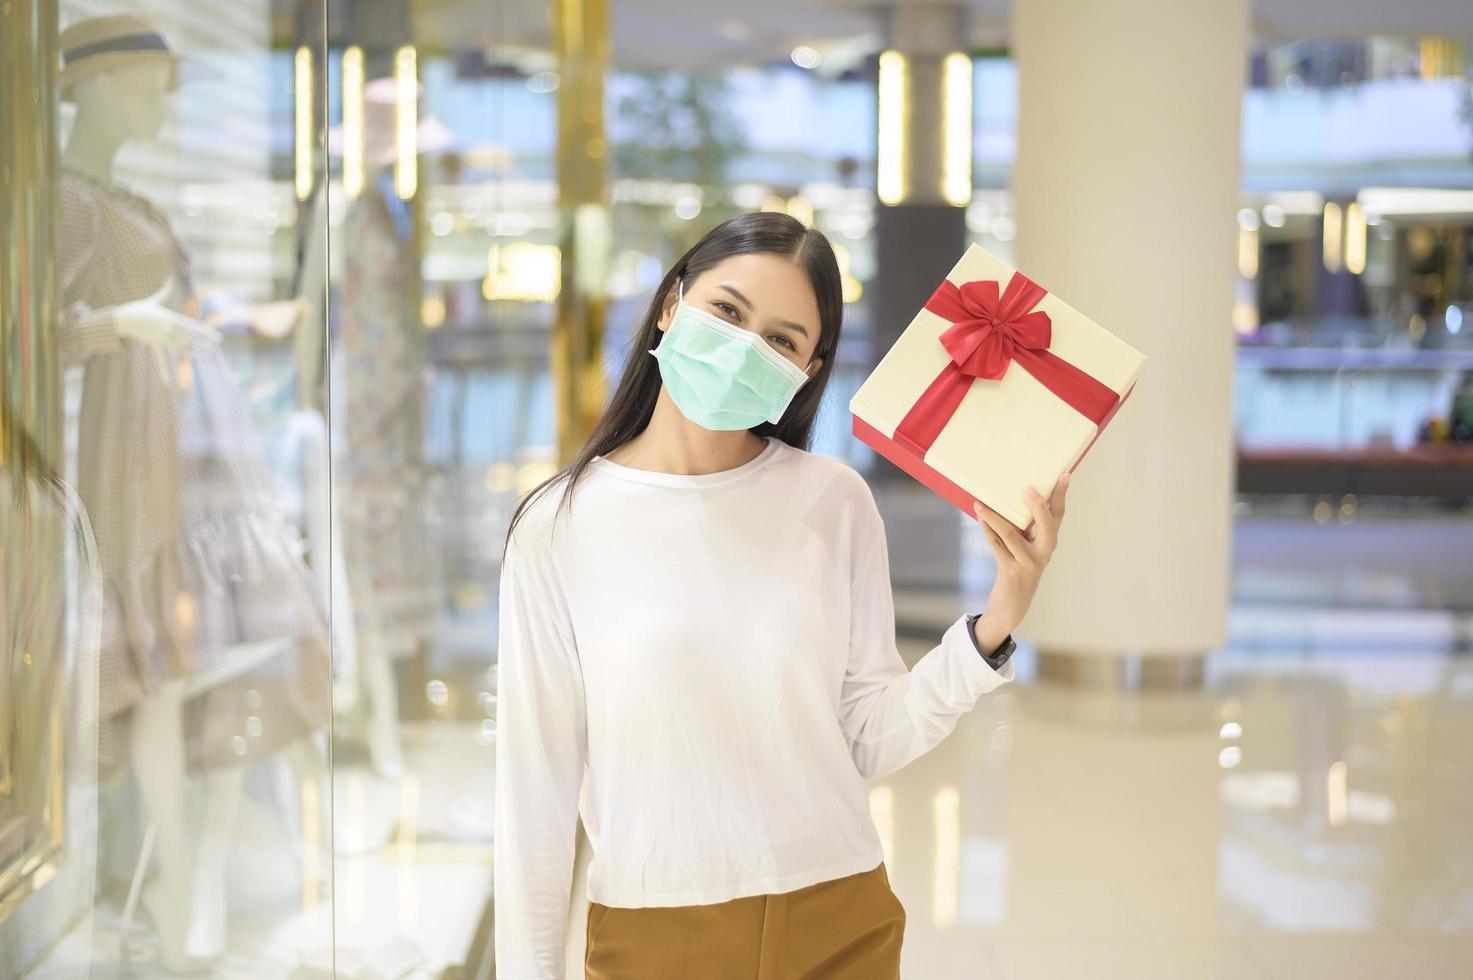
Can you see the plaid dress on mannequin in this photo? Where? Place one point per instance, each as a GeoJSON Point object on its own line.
{"type": "Point", "coordinates": [194, 555]}
{"type": "Point", "coordinates": [384, 488]}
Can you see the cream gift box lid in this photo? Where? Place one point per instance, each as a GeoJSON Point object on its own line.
{"type": "Point", "coordinates": [1007, 434]}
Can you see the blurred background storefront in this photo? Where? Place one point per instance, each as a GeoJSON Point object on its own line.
{"type": "Point", "coordinates": [298, 297]}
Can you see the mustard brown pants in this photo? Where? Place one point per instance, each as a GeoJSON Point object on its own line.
{"type": "Point", "coordinates": [848, 928]}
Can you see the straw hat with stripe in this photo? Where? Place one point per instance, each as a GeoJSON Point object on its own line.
{"type": "Point", "coordinates": [100, 44]}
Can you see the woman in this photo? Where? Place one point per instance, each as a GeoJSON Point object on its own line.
{"type": "Point", "coordinates": [705, 630]}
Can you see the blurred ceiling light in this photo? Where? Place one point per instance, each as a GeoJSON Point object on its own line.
{"type": "Point", "coordinates": [1230, 729]}
{"type": "Point", "coordinates": [1336, 781]}
{"type": "Point", "coordinates": [687, 207]}
{"type": "Point", "coordinates": [1334, 234]}
{"type": "Point", "coordinates": [543, 81]}
{"type": "Point", "coordinates": [406, 122]}
{"type": "Point", "coordinates": [734, 30]}
{"type": "Point", "coordinates": [522, 271]}
{"type": "Point", "coordinates": [851, 287]}
{"type": "Point", "coordinates": [805, 56]}
{"type": "Point", "coordinates": [1003, 228]}
{"type": "Point", "coordinates": [1355, 238]}
{"type": "Point", "coordinates": [1248, 219]}
{"type": "Point", "coordinates": [1453, 318]}
{"type": "Point", "coordinates": [432, 311]}
{"type": "Point", "coordinates": [1248, 246]}
{"type": "Point", "coordinates": [1230, 757]}
{"type": "Point", "coordinates": [956, 134]}
{"type": "Point", "coordinates": [353, 121]}
{"type": "Point", "coordinates": [1415, 200]}
{"type": "Point", "coordinates": [1273, 216]}
{"type": "Point", "coordinates": [1297, 202]}
{"type": "Point", "coordinates": [774, 202]}
{"type": "Point", "coordinates": [304, 122]}
{"type": "Point", "coordinates": [893, 97]}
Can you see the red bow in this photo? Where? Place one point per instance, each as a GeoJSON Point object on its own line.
{"type": "Point", "coordinates": [987, 328]}
{"type": "Point", "coordinates": [988, 332]}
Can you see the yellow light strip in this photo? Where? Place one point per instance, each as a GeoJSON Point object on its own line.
{"type": "Point", "coordinates": [353, 121]}
{"type": "Point", "coordinates": [1337, 781]}
{"type": "Point", "coordinates": [946, 867]}
{"type": "Point", "coordinates": [1355, 238]}
{"type": "Point", "coordinates": [406, 123]}
{"type": "Point", "coordinates": [303, 95]}
{"type": "Point", "coordinates": [893, 95]}
{"type": "Point", "coordinates": [956, 154]}
{"type": "Point", "coordinates": [1334, 233]}
{"type": "Point", "coordinates": [1247, 252]}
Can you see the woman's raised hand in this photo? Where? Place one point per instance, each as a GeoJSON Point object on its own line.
{"type": "Point", "coordinates": [1020, 561]}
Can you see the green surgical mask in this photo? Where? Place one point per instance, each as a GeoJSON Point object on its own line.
{"type": "Point", "coordinates": [720, 375]}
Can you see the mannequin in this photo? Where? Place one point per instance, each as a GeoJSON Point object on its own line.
{"type": "Point", "coordinates": [297, 438]}
{"type": "Point", "coordinates": [167, 674]}
{"type": "Point", "coordinates": [379, 364]}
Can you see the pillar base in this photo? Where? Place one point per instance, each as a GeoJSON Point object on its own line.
{"type": "Point", "coordinates": [1123, 672]}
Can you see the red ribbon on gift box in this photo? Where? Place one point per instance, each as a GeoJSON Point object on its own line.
{"type": "Point", "coordinates": [990, 330]}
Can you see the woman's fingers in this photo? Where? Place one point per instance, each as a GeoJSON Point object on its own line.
{"type": "Point", "coordinates": [1044, 523]}
{"type": "Point", "coordinates": [1000, 551]}
{"type": "Point", "coordinates": [1017, 545]}
{"type": "Point", "coordinates": [1056, 499]}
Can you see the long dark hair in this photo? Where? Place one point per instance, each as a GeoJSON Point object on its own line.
{"type": "Point", "coordinates": [633, 403]}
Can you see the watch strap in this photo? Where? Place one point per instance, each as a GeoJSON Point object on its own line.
{"type": "Point", "coordinates": [996, 658]}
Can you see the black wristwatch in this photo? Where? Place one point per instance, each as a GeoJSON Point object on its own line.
{"type": "Point", "coordinates": [996, 658]}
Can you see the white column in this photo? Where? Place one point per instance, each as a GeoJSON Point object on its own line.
{"type": "Point", "coordinates": [1126, 185]}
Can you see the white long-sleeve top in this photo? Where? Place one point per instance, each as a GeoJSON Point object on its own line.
{"type": "Point", "coordinates": [704, 668]}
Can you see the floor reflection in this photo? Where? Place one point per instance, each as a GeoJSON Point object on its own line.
{"type": "Point", "coordinates": [1301, 817]}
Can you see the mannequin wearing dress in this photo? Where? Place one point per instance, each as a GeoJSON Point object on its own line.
{"type": "Point", "coordinates": [380, 479]}
{"type": "Point", "coordinates": [162, 514]}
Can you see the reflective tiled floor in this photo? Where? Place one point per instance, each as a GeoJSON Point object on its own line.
{"type": "Point", "coordinates": [1307, 814]}
{"type": "Point", "coordinates": [1302, 817]}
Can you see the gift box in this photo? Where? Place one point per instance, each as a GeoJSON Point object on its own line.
{"type": "Point", "coordinates": [996, 385]}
